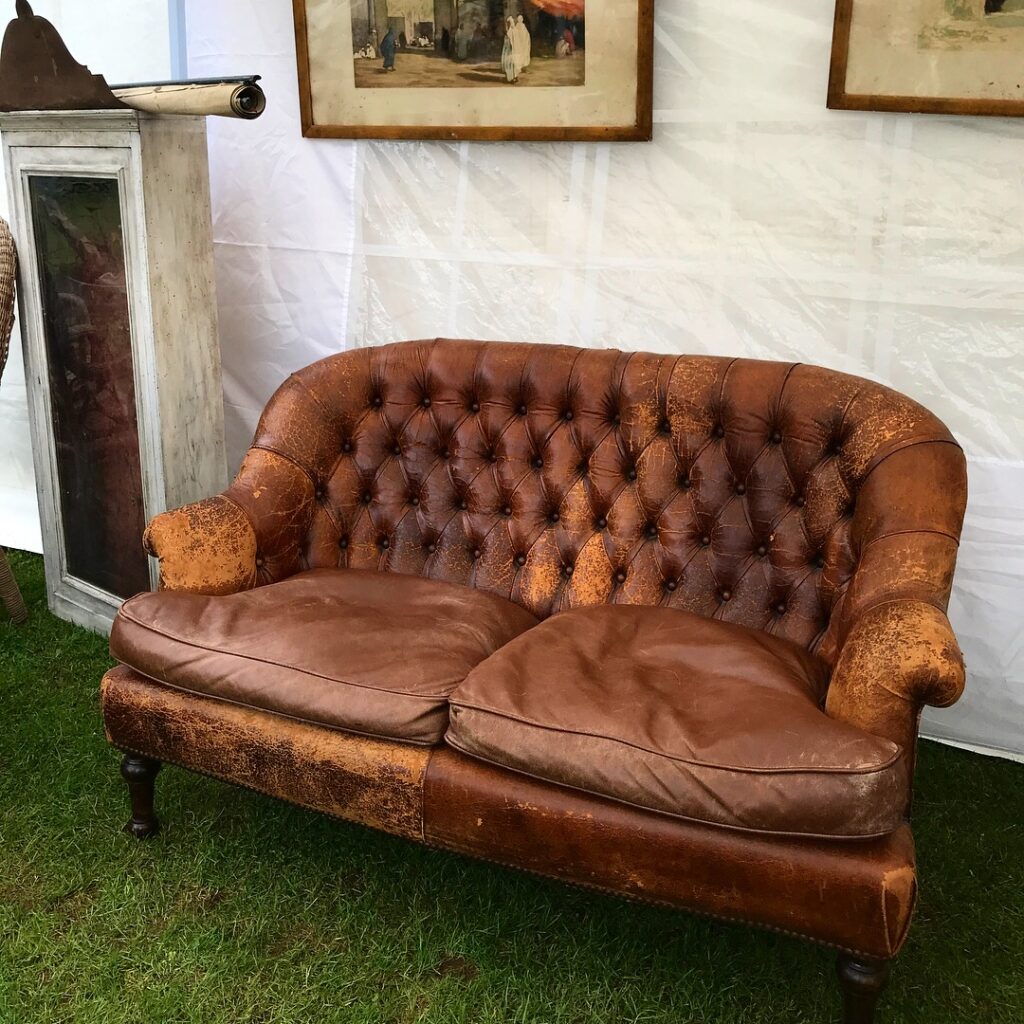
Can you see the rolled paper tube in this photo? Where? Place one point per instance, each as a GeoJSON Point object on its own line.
{"type": "Point", "coordinates": [224, 99]}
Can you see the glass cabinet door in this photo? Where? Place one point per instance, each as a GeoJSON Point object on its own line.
{"type": "Point", "coordinates": [83, 284]}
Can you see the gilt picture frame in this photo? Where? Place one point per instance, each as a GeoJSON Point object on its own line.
{"type": "Point", "coordinates": [928, 56]}
{"type": "Point", "coordinates": [492, 70]}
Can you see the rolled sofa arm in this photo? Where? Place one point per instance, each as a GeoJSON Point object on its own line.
{"type": "Point", "coordinates": [252, 534]}
{"type": "Point", "coordinates": [205, 548]}
{"type": "Point", "coordinates": [897, 657]}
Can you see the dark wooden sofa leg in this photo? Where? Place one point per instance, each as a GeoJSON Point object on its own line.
{"type": "Point", "coordinates": [861, 982]}
{"type": "Point", "coordinates": [140, 774]}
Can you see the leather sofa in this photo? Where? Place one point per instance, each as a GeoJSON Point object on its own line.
{"type": "Point", "coordinates": [658, 626]}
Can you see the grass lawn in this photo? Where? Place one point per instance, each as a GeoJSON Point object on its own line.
{"type": "Point", "coordinates": [246, 910]}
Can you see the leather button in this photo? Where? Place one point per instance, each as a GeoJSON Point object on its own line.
{"type": "Point", "coordinates": [705, 540]}
{"type": "Point", "coordinates": [538, 462]}
{"type": "Point", "coordinates": [506, 510]}
{"type": "Point", "coordinates": [367, 498]}
{"type": "Point", "coordinates": [719, 430]}
{"type": "Point", "coordinates": [477, 552]}
{"type": "Point", "coordinates": [414, 501]}
{"type": "Point", "coordinates": [431, 548]}
{"type": "Point", "coordinates": [652, 530]}
{"type": "Point", "coordinates": [377, 401]}
{"type": "Point", "coordinates": [780, 608]}
{"type": "Point", "coordinates": [320, 494]}
{"type": "Point", "coordinates": [631, 473]}
{"type": "Point", "coordinates": [425, 402]}
{"type": "Point", "coordinates": [463, 504]}
{"type": "Point", "coordinates": [474, 407]}
{"type": "Point", "coordinates": [620, 577]}
{"type": "Point", "coordinates": [685, 483]}
{"type": "Point", "coordinates": [521, 409]}
{"type": "Point", "coordinates": [396, 449]}
{"type": "Point", "coordinates": [384, 543]}
{"type": "Point", "coordinates": [346, 446]}
{"type": "Point", "coordinates": [741, 488]}
{"type": "Point", "coordinates": [726, 595]}
{"type": "Point", "coordinates": [776, 437]}
{"type": "Point", "coordinates": [819, 562]}
{"type": "Point", "coordinates": [601, 523]}
{"type": "Point", "coordinates": [616, 419]}
{"type": "Point", "coordinates": [445, 453]}
{"type": "Point", "coordinates": [492, 456]}
{"type": "Point", "coordinates": [260, 562]}
{"type": "Point", "coordinates": [343, 543]}
{"type": "Point", "coordinates": [554, 517]}
{"type": "Point", "coordinates": [567, 570]}
{"type": "Point", "coordinates": [567, 415]}
{"type": "Point", "coordinates": [799, 501]}
{"type": "Point", "coordinates": [670, 585]}
{"type": "Point", "coordinates": [520, 559]}
{"type": "Point", "coordinates": [762, 550]}
{"type": "Point", "coordinates": [665, 427]}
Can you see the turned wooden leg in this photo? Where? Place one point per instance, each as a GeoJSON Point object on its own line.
{"type": "Point", "coordinates": [140, 774]}
{"type": "Point", "coordinates": [861, 982]}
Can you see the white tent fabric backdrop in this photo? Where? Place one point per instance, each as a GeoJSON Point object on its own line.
{"type": "Point", "coordinates": [757, 223]}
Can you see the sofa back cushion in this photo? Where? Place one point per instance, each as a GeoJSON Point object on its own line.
{"type": "Point", "coordinates": [737, 489]}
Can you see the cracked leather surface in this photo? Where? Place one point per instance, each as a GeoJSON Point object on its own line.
{"type": "Point", "coordinates": [819, 508]}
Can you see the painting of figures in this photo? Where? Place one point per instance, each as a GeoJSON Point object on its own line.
{"type": "Point", "coordinates": [929, 56]}
{"type": "Point", "coordinates": [468, 43]}
{"type": "Point", "coordinates": [555, 70]}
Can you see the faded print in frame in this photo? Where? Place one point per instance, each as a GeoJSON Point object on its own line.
{"type": "Point", "coordinates": [475, 69]}
{"type": "Point", "coordinates": [929, 56]}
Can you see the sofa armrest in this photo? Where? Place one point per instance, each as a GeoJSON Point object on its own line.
{"type": "Point", "coordinates": [205, 548]}
{"type": "Point", "coordinates": [897, 657]}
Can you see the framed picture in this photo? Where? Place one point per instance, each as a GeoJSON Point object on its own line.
{"type": "Point", "coordinates": [929, 56]}
{"type": "Point", "coordinates": [475, 69]}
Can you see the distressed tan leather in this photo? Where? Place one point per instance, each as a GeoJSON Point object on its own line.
{"type": "Point", "coordinates": [817, 508]}
{"type": "Point", "coordinates": [373, 653]}
{"type": "Point", "coordinates": [899, 656]}
{"type": "Point", "coordinates": [205, 548]}
{"type": "Point", "coordinates": [359, 778]}
{"type": "Point", "coordinates": [692, 717]}
{"type": "Point", "coordinates": [669, 476]}
{"type": "Point", "coordinates": [858, 896]}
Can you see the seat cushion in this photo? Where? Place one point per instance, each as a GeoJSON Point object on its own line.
{"type": "Point", "coordinates": [372, 653]}
{"type": "Point", "coordinates": [681, 714]}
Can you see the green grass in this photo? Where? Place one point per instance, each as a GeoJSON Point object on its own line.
{"type": "Point", "coordinates": [246, 910]}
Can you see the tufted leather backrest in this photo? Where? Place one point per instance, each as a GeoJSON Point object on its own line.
{"type": "Point", "coordinates": [783, 497]}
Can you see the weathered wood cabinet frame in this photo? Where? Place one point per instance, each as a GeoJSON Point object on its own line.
{"type": "Point", "coordinates": [161, 166]}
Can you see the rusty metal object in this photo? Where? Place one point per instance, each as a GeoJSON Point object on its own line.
{"type": "Point", "coordinates": [37, 71]}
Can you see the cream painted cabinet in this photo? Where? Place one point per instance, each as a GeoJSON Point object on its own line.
{"type": "Point", "coordinates": [111, 213]}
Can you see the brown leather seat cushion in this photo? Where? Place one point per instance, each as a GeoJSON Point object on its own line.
{"type": "Point", "coordinates": [373, 653]}
{"type": "Point", "coordinates": [673, 712]}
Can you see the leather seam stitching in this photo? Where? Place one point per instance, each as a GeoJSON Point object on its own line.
{"type": "Point", "coordinates": [907, 533]}
{"type": "Point", "coordinates": [290, 668]}
{"type": "Point", "coordinates": [264, 447]}
{"type": "Point", "coordinates": [900, 446]}
{"type": "Point", "coordinates": [328, 727]}
{"type": "Point", "coordinates": [874, 770]}
{"type": "Point", "coordinates": [467, 850]}
{"type": "Point", "coordinates": [673, 815]}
